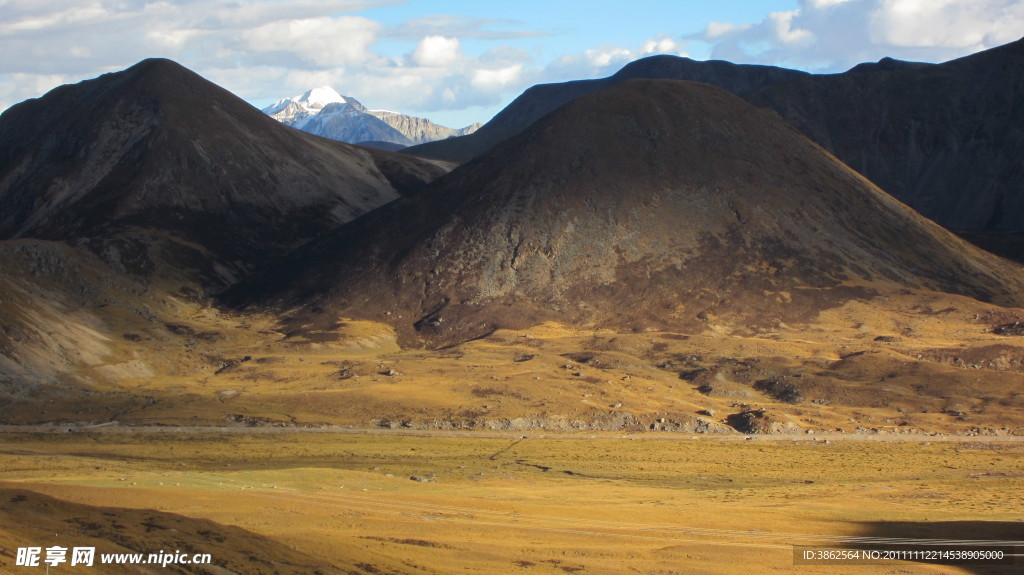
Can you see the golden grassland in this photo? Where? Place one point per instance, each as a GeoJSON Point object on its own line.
{"type": "Point", "coordinates": [445, 502]}
{"type": "Point", "coordinates": [919, 362]}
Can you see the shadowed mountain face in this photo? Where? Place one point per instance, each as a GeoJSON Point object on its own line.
{"type": "Point", "coordinates": [942, 138]}
{"type": "Point", "coordinates": [945, 139]}
{"type": "Point", "coordinates": [159, 149]}
{"type": "Point", "coordinates": [650, 204]}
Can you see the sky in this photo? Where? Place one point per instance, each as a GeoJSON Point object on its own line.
{"type": "Point", "coordinates": [460, 61]}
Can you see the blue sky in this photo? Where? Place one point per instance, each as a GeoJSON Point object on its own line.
{"type": "Point", "coordinates": [458, 61]}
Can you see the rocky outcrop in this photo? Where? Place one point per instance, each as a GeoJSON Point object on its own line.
{"type": "Point", "coordinates": [762, 421]}
{"type": "Point", "coordinates": [420, 130]}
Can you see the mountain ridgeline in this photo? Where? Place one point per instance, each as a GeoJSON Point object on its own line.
{"type": "Point", "coordinates": [648, 204]}
{"type": "Point", "coordinates": [942, 138]}
{"type": "Point", "coordinates": [156, 149]}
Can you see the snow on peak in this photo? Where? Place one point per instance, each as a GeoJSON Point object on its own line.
{"type": "Point", "coordinates": [309, 103]}
{"type": "Point", "coordinates": [317, 98]}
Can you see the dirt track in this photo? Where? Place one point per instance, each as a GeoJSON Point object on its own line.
{"type": "Point", "coordinates": [116, 428]}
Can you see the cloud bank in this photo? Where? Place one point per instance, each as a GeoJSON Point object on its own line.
{"type": "Point", "coordinates": [835, 35]}
{"type": "Point", "coordinates": [263, 50]}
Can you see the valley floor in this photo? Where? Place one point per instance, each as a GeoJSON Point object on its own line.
{"type": "Point", "coordinates": [293, 444]}
{"type": "Point", "coordinates": [444, 502]}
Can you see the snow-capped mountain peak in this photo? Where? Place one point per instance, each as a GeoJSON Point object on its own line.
{"type": "Point", "coordinates": [317, 98]}
{"type": "Point", "coordinates": [325, 112]}
{"type": "Point", "coordinates": [309, 103]}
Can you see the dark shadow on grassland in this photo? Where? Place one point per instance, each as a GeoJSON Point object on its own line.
{"type": "Point", "coordinates": [30, 519]}
{"type": "Point", "coordinates": [995, 534]}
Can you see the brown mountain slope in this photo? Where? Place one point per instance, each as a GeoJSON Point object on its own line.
{"type": "Point", "coordinates": [650, 204]}
{"type": "Point", "coordinates": [159, 147]}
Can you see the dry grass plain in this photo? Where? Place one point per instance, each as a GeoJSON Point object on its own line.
{"type": "Point", "coordinates": [630, 463]}
{"type": "Point", "coordinates": [659, 503]}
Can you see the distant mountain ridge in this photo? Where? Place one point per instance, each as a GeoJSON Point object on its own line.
{"type": "Point", "coordinates": [943, 138]}
{"type": "Point", "coordinates": [324, 112]}
{"type": "Point", "coordinates": [421, 130]}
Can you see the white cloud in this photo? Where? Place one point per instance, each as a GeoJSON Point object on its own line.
{"type": "Point", "coordinates": [172, 40]}
{"type": "Point", "coordinates": [834, 35]}
{"type": "Point", "coordinates": [605, 56]}
{"type": "Point", "coordinates": [718, 29]}
{"type": "Point", "coordinates": [268, 49]}
{"type": "Point", "coordinates": [64, 17]}
{"type": "Point", "coordinates": [244, 14]}
{"type": "Point", "coordinates": [325, 42]}
{"type": "Point", "coordinates": [659, 46]}
{"type": "Point", "coordinates": [784, 30]}
{"type": "Point", "coordinates": [972, 24]}
{"type": "Point", "coordinates": [39, 35]}
{"type": "Point", "coordinates": [19, 87]}
{"type": "Point", "coordinates": [437, 51]}
{"type": "Point", "coordinates": [264, 49]}
{"type": "Point", "coordinates": [605, 60]}
{"type": "Point", "coordinates": [496, 80]}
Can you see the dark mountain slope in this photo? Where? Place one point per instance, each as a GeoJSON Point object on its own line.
{"type": "Point", "coordinates": [647, 204]}
{"type": "Point", "coordinates": [945, 138]}
{"type": "Point", "coordinates": [157, 147]}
